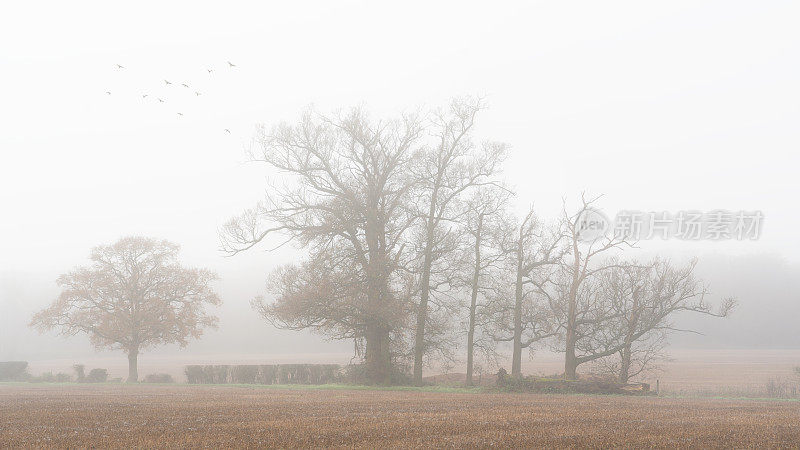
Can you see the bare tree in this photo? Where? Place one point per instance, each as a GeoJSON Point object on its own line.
{"type": "Point", "coordinates": [644, 299]}
{"type": "Point", "coordinates": [482, 224]}
{"type": "Point", "coordinates": [570, 290]}
{"type": "Point", "coordinates": [134, 296]}
{"type": "Point", "coordinates": [642, 358]}
{"type": "Point", "coordinates": [445, 297]}
{"type": "Point", "coordinates": [530, 248]}
{"type": "Point", "coordinates": [452, 167]}
{"type": "Point", "coordinates": [345, 200]}
{"type": "Point", "coordinates": [606, 306]}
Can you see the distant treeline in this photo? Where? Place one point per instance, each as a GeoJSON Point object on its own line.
{"type": "Point", "coordinates": [264, 374]}
{"type": "Point", "coordinates": [18, 371]}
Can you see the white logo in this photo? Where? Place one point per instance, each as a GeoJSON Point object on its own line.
{"type": "Point", "coordinates": [592, 225]}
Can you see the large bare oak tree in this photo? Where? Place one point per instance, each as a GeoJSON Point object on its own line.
{"type": "Point", "coordinates": [344, 196]}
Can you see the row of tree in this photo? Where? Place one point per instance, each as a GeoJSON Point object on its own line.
{"type": "Point", "coordinates": [412, 249]}
{"type": "Point", "coordinates": [413, 253]}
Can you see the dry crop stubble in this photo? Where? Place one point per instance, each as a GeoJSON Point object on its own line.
{"type": "Point", "coordinates": [181, 416]}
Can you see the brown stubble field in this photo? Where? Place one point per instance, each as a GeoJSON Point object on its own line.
{"type": "Point", "coordinates": [195, 416]}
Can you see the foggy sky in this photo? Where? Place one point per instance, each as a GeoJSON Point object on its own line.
{"type": "Point", "coordinates": [670, 106]}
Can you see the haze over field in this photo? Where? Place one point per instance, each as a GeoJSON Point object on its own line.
{"type": "Point", "coordinates": [684, 106]}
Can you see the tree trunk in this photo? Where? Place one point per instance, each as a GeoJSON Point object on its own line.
{"type": "Point", "coordinates": [422, 312]}
{"type": "Point", "coordinates": [571, 334]}
{"type": "Point", "coordinates": [378, 356]}
{"type": "Point", "coordinates": [516, 359]}
{"type": "Point", "coordinates": [625, 352]}
{"type": "Point", "coordinates": [570, 359]}
{"type": "Point", "coordinates": [422, 317]}
{"type": "Point", "coordinates": [474, 302]}
{"type": "Point", "coordinates": [133, 366]}
{"type": "Point", "coordinates": [570, 365]}
{"type": "Point", "coordinates": [625, 364]}
{"type": "Point", "coordinates": [372, 354]}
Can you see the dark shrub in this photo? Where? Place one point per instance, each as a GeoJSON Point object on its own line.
{"type": "Point", "coordinates": [779, 388]}
{"type": "Point", "coordinates": [357, 374]}
{"type": "Point", "coordinates": [80, 372]}
{"type": "Point", "coordinates": [508, 383]}
{"type": "Point", "coordinates": [354, 374]}
{"type": "Point", "coordinates": [97, 376]}
{"type": "Point", "coordinates": [283, 374]}
{"type": "Point", "coordinates": [502, 376]}
{"type": "Point", "coordinates": [47, 377]}
{"type": "Point", "coordinates": [13, 370]}
{"type": "Point", "coordinates": [217, 374]}
{"type": "Point", "coordinates": [264, 374]}
{"type": "Point", "coordinates": [207, 374]}
{"type": "Point", "coordinates": [158, 378]}
{"type": "Point", "coordinates": [324, 373]}
{"type": "Point", "coordinates": [267, 374]}
{"type": "Point", "coordinates": [245, 374]}
{"type": "Point", "coordinates": [194, 374]}
{"type": "Point", "coordinates": [63, 378]}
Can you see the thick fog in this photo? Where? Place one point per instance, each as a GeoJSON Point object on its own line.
{"type": "Point", "coordinates": [656, 114]}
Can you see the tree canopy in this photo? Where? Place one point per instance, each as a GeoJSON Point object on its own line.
{"type": "Point", "coordinates": [135, 295]}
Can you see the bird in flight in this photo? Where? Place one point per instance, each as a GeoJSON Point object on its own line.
{"type": "Point", "coordinates": [180, 114]}
{"type": "Point", "coordinates": [231, 64]}
{"type": "Point", "coordinates": [184, 85]}
{"type": "Point", "coordinates": [144, 95]}
{"type": "Point", "coordinates": [108, 92]}
{"type": "Point", "coordinates": [167, 82]}
{"type": "Point", "coordinates": [227, 131]}
{"type": "Point", "coordinates": [160, 101]}
{"type": "Point", "coordinates": [120, 66]}
{"type": "Point", "coordinates": [210, 70]}
{"type": "Point", "coordinates": [196, 93]}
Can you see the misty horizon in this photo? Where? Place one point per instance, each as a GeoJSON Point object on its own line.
{"type": "Point", "coordinates": [412, 224]}
{"type": "Point", "coordinates": [661, 131]}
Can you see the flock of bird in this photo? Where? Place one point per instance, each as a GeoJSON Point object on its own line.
{"type": "Point", "coordinates": [168, 83]}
